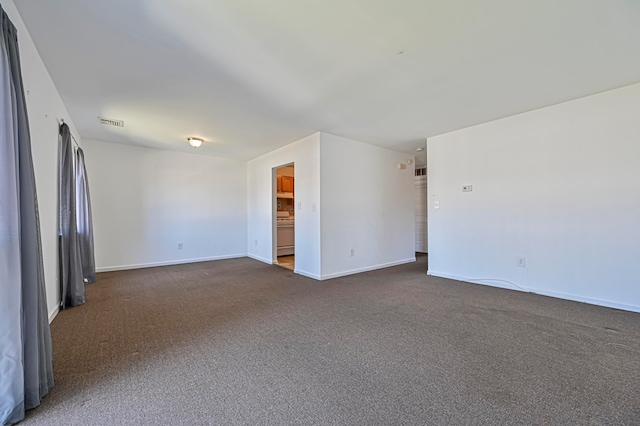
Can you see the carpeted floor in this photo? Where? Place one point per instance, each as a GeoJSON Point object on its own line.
{"type": "Point", "coordinates": [241, 342]}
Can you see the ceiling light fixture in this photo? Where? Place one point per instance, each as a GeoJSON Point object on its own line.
{"type": "Point", "coordinates": [420, 149]}
{"type": "Point", "coordinates": [195, 142]}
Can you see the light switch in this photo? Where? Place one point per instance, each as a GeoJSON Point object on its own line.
{"type": "Point", "coordinates": [299, 205]}
{"type": "Point", "coordinates": [436, 205]}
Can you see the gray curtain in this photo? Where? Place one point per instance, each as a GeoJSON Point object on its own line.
{"type": "Point", "coordinates": [85, 223]}
{"type": "Point", "coordinates": [70, 269]}
{"type": "Point", "coordinates": [26, 366]}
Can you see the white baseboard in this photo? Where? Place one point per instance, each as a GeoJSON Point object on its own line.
{"type": "Point", "coordinates": [261, 259]}
{"type": "Point", "coordinates": [337, 274]}
{"type": "Point", "coordinates": [167, 263]}
{"type": "Point", "coordinates": [53, 313]}
{"type": "Point", "coordinates": [307, 274]}
{"type": "Point", "coordinates": [492, 283]}
{"type": "Point", "coordinates": [605, 303]}
{"type": "Point", "coordinates": [558, 295]}
{"type": "Point", "coordinates": [367, 268]}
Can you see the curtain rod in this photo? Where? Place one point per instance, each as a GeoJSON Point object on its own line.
{"type": "Point", "coordinates": [61, 122]}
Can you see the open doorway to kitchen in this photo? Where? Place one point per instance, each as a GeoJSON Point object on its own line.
{"type": "Point", "coordinates": [284, 216]}
{"type": "Point", "coordinates": [421, 202]}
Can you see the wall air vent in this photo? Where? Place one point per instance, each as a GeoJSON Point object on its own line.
{"type": "Point", "coordinates": [110, 122]}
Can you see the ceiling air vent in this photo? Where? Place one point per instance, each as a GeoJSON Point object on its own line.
{"type": "Point", "coordinates": [110, 122]}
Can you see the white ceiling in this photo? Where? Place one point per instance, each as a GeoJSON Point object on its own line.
{"type": "Point", "coordinates": [250, 76]}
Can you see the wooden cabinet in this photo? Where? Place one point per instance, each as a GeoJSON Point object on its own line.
{"type": "Point", "coordinates": [284, 184]}
{"type": "Point", "coordinates": [287, 183]}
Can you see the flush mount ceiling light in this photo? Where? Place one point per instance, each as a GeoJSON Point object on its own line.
{"type": "Point", "coordinates": [195, 142]}
{"type": "Point", "coordinates": [420, 149]}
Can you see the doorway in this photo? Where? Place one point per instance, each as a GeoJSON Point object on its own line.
{"type": "Point", "coordinates": [284, 216]}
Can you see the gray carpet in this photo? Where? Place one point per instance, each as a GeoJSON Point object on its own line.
{"type": "Point", "coordinates": [241, 342]}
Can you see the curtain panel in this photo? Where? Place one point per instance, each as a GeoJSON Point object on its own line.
{"type": "Point", "coordinates": [84, 220]}
{"type": "Point", "coordinates": [26, 363]}
{"type": "Point", "coordinates": [69, 257]}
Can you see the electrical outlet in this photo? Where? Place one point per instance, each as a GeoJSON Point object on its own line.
{"type": "Point", "coordinates": [521, 261]}
{"type": "Point", "coordinates": [180, 245]}
{"type": "Point", "coordinates": [313, 207]}
{"type": "Point", "coordinates": [299, 205]}
{"type": "Point", "coordinates": [352, 252]}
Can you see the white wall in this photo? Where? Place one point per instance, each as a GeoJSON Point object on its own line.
{"type": "Point", "coordinates": [362, 201]}
{"type": "Point", "coordinates": [146, 201]}
{"type": "Point", "coordinates": [367, 205]}
{"type": "Point", "coordinates": [559, 186]}
{"type": "Point", "coordinates": [305, 153]}
{"type": "Point", "coordinates": [44, 106]}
